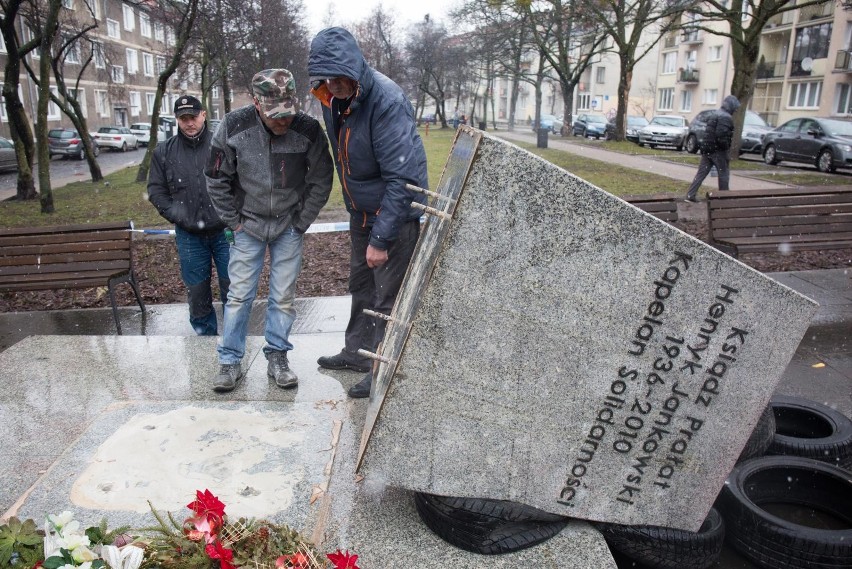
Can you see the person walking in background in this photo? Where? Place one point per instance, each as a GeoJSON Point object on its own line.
{"type": "Point", "coordinates": [377, 152]}
{"type": "Point", "coordinates": [178, 189]}
{"type": "Point", "coordinates": [269, 173]}
{"type": "Point", "coordinates": [714, 145]}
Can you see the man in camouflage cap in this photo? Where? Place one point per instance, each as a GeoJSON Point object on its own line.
{"type": "Point", "coordinates": [268, 175]}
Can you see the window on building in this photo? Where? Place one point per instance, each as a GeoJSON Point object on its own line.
{"type": "Point", "coordinates": [584, 101]}
{"type": "Point", "coordinates": [686, 101]}
{"type": "Point", "coordinates": [600, 75]}
{"type": "Point", "coordinates": [94, 7]}
{"type": "Point", "coordinates": [129, 17]}
{"type": "Point", "coordinates": [691, 59]}
{"type": "Point", "coordinates": [159, 34]}
{"type": "Point", "coordinates": [214, 93]}
{"type": "Point", "coordinates": [164, 105]}
{"type": "Point", "coordinates": [98, 54]}
{"type": "Point", "coordinates": [714, 53]}
{"type": "Point", "coordinates": [144, 25]}
{"type": "Point", "coordinates": [669, 62]}
{"type": "Point", "coordinates": [132, 61]}
{"type": "Point", "coordinates": [812, 42]}
{"type": "Point", "coordinates": [101, 103]}
{"type": "Point", "coordinates": [80, 96]}
{"type": "Point", "coordinates": [170, 37]}
{"type": "Point", "coordinates": [844, 99]}
{"type": "Point", "coordinates": [161, 64]}
{"type": "Point", "coordinates": [148, 64]}
{"type": "Point", "coordinates": [666, 101]}
{"type": "Point", "coordinates": [804, 95]}
{"type": "Point", "coordinates": [72, 53]}
{"type": "Point", "coordinates": [710, 96]}
{"type": "Point", "coordinates": [53, 113]}
{"type": "Point", "coordinates": [3, 116]}
{"type": "Point", "coordinates": [117, 74]}
{"type": "Point", "coordinates": [113, 30]}
{"type": "Point", "coordinates": [29, 36]}
{"type": "Point", "coordinates": [135, 103]}
{"type": "Point", "coordinates": [149, 102]}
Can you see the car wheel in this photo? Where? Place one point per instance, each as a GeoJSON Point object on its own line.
{"type": "Point", "coordinates": [574, 131]}
{"type": "Point", "coordinates": [96, 150]}
{"type": "Point", "coordinates": [82, 154]}
{"type": "Point", "coordinates": [136, 145]}
{"type": "Point", "coordinates": [692, 144]}
{"type": "Point", "coordinates": [124, 147]}
{"type": "Point", "coordinates": [769, 155]}
{"type": "Point", "coordinates": [825, 161]}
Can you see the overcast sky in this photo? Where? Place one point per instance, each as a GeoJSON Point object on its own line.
{"type": "Point", "coordinates": [350, 11]}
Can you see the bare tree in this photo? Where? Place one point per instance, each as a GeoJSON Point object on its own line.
{"type": "Point", "coordinates": [379, 41]}
{"type": "Point", "coordinates": [744, 34]}
{"type": "Point", "coordinates": [429, 51]}
{"type": "Point", "coordinates": [19, 123]}
{"type": "Point", "coordinates": [630, 26]}
{"type": "Point", "coordinates": [181, 15]}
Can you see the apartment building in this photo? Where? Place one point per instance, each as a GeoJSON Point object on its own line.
{"type": "Point", "coordinates": [118, 87]}
{"type": "Point", "coordinates": [804, 69]}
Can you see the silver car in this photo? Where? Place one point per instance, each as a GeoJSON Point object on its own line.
{"type": "Point", "coordinates": [8, 159]}
{"type": "Point", "coordinates": [664, 130]}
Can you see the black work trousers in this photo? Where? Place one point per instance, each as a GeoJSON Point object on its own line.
{"type": "Point", "coordinates": [375, 289]}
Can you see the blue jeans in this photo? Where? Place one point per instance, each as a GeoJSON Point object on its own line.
{"type": "Point", "coordinates": [197, 253]}
{"type": "Point", "coordinates": [247, 254]}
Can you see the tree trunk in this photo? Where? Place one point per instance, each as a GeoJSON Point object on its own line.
{"type": "Point", "coordinates": [624, 83]}
{"type": "Point", "coordinates": [51, 27]}
{"type": "Point", "coordinates": [742, 87]}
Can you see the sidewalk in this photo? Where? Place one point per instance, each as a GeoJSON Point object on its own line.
{"type": "Point", "coordinates": [644, 163]}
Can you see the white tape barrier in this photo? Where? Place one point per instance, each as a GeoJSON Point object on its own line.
{"type": "Point", "coordinates": [315, 228]}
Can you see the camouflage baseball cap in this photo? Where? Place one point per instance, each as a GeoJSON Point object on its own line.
{"type": "Point", "coordinates": [275, 90]}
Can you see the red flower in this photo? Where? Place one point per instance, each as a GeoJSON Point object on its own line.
{"type": "Point", "coordinates": [206, 504]}
{"type": "Point", "coordinates": [297, 561]}
{"type": "Point", "coordinates": [218, 551]}
{"type": "Point", "coordinates": [343, 560]}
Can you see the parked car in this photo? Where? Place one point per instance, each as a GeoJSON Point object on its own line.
{"type": "Point", "coordinates": [143, 133]}
{"type": "Point", "coordinates": [664, 130]}
{"type": "Point", "coordinates": [551, 123]}
{"type": "Point", "coordinates": [634, 123]}
{"type": "Point", "coordinates": [68, 142]}
{"type": "Point", "coordinates": [117, 137]}
{"type": "Point", "coordinates": [8, 159]}
{"type": "Point", "coordinates": [589, 125]}
{"type": "Point", "coordinates": [754, 128]}
{"type": "Point", "coordinates": [823, 142]}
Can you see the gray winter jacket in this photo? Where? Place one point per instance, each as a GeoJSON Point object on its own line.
{"type": "Point", "coordinates": [719, 131]}
{"type": "Point", "coordinates": [378, 150]}
{"type": "Point", "coordinates": [265, 182]}
{"type": "Point", "coordinates": [176, 183]}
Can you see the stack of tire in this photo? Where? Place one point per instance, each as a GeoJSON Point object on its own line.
{"type": "Point", "coordinates": [798, 461]}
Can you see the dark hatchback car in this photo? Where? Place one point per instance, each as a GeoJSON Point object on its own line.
{"type": "Point", "coordinates": [67, 142]}
{"type": "Point", "coordinates": [754, 127]}
{"type": "Point", "coordinates": [589, 125]}
{"type": "Point", "coordinates": [824, 142]}
{"type": "Point", "coordinates": [8, 159]}
{"type": "Point", "coordinates": [631, 133]}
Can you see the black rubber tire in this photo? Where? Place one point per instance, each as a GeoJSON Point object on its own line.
{"type": "Point", "coordinates": [667, 548]}
{"type": "Point", "coordinates": [811, 430]}
{"type": "Point", "coordinates": [486, 535]}
{"type": "Point", "coordinates": [825, 161]}
{"type": "Point", "coordinates": [481, 510]}
{"type": "Point", "coordinates": [769, 155]}
{"type": "Point", "coordinates": [692, 144]}
{"type": "Point", "coordinates": [774, 542]}
{"type": "Point", "coordinates": [761, 437]}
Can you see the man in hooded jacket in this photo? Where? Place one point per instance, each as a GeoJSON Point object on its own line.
{"type": "Point", "coordinates": [377, 151]}
{"type": "Point", "coordinates": [714, 145]}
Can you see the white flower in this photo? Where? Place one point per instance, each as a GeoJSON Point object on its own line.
{"type": "Point", "coordinates": [128, 557]}
{"type": "Point", "coordinates": [82, 554]}
{"type": "Point", "coordinates": [59, 521]}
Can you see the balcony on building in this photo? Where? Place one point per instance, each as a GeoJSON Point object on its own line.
{"type": "Point", "coordinates": [797, 70]}
{"type": "Point", "coordinates": [783, 20]}
{"type": "Point", "coordinates": [771, 69]}
{"type": "Point", "coordinates": [843, 62]}
{"type": "Point", "coordinates": [816, 12]}
{"type": "Point", "coordinates": [689, 76]}
{"type": "Point", "coordinates": [690, 36]}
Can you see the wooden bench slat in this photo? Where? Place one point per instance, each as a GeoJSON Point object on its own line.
{"type": "Point", "coordinates": [54, 229]}
{"type": "Point", "coordinates": [63, 258]}
{"type": "Point", "coordinates": [91, 237]}
{"type": "Point", "coordinates": [69, 248]}
{"type": "Point", "coordinates": [783, 233]}
{"type": "Point", "coordinates": [782, 201]}
{"type": "Point", "coordinates": [781, 211]}
{"type": "Point", "coordinates": [662, 206]}
{"type": "Point", "coordinates": [27, 271]}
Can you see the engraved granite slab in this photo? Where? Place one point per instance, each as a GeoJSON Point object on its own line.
{"type": "Point", "coordinates": [553, 345]}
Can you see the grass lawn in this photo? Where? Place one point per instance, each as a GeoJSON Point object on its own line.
{"type": "Point", "coordinates": [119, 197]}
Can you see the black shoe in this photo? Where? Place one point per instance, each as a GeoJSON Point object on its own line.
{"type": "Point", "coordinates": [340, 361]}
{"type": "Point", "coordinates": [227, 378]}
{"type": "Point", "coordinates": [361, 389]}
{"type": "Point", "coordinates": [279, 370]}
{"type": "Point", "coordinates": [689, 199]}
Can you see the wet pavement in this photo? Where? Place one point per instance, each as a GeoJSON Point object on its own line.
{"type": "Point", "coordinates": [95, 421]}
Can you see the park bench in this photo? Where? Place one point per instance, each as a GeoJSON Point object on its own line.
{"type": "Point", "coordinates": [71, 256]}
{"type": "Point", "coordinates": [662, 206]}
{"type": "Point", "coordinates": [783, 220]}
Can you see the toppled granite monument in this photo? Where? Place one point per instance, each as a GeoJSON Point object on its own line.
{"type": "Point", "coordinates": [556, 346]}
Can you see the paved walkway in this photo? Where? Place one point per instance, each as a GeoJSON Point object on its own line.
{"type": "Point", "coordinates": [642, 162]}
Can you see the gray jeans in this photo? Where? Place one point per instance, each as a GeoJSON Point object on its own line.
{"type": "Point", "coordinates": [718, 159]}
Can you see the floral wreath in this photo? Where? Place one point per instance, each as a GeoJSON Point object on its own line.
{"type": "Point", "coordinates": [206, 539]}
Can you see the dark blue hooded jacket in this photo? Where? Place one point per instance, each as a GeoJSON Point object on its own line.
{"type": "Point", "coordinates": [378, 149]}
